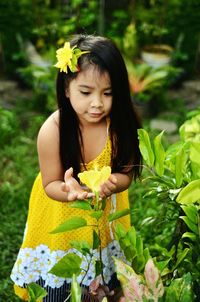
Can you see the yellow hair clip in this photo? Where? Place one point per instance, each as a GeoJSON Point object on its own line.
{"type": "Point", "coordinates": [68, 57]}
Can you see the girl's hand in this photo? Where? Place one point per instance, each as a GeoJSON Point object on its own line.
{"type": "Point", "coordinates": [72, 187]}
{"type": "Point", "coordinates": [108, 187]}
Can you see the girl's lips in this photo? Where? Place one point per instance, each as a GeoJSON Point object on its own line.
{"type": "Point", "coordinates": [93, 114]}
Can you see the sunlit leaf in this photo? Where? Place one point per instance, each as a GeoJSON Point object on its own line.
{"type": "Point", "coordinates": [180, 290]}
{"type": "Point", "coordinates": [36, 292]}
{"type": "Point", "coordinates": [67, 266]}
{"type": "Point", "coordinates": [190, 193]}
{"type": "Point", "coordinates": [190, 235]}
{"type": "Point", "coordinates": [118, 214]}
{"type": "Point", "coordinates": [120, 231]}
{"type": "Point", "coordinates": [84, 205]}
{"type": "Point", "coordinates": [191, 212]}
{"type": "Point", "coordinates": [145, 147]}
{"type": "Point", "coordinates": [180, 163]}
{"type": "Point", "coordinates": [97, 214]}
{"type": "Point", "coordinates": [153, 279]}
{"type": "Point", "coordinates": [192, 226]}
{"type": "Point", "coordinates": [81, 245]}
{"type": "Point", "coordinates": [159, 154]}
{"type": "Point", "coordinates": [132, 236]}
{"type": "Point", "coordinates": [71, 224]}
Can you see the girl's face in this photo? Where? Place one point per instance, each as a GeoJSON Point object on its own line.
{"type": "Point", "coordinates": [90, 95]}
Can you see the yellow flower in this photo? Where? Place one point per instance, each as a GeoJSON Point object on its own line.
{"type": "Point", "coordinates": [68, 57]}
{"type": "Point", "coordinates": [94, 178]}
{"type": "Point", "coordinates": [64, 56]}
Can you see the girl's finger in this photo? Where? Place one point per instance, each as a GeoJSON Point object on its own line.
{"type": "Point", "coordinates": [68, 174]}
{"type": "Point", "coordinates": [113, 179]}
{"type": "Point", "coordinates": [90, 195]}
{"type": "Point", "coordinates": [64, 187]}
{"type": "Point", "coordinates": [81, 196]}
{"type": "Point", "coordinates": [72, 196]}
{"type": "Point", "coordinates": [106, 192]}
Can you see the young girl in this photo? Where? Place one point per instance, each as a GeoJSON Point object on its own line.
{"type": "Point", "coordinates": [95, 126]}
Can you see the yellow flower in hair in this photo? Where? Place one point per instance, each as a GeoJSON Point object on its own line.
{"type": "Point", "coordinates": [94, 178]}
{"type": "Point", "coordinates": [68, 57]}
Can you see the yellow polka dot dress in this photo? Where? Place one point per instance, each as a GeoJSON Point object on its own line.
{"type": "Point", "coordinates": [40, 250]}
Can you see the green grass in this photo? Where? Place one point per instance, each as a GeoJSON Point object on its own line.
{"type": "Point", "coordinates": [18, 166]}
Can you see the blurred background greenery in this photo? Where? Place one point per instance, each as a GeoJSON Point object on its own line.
{"type": "Point", "coordinates": [164, 86]}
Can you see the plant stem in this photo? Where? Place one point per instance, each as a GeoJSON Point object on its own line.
{"type": "Point", "coordinates": [100, 255]}
{"type": "Point", "coordinates": [86, 270]}
{"type": "Point", "coordinates": [97, 200]}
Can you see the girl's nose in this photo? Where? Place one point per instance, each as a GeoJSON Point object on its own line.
{"type": "Point", "coordinates": [97, 102]}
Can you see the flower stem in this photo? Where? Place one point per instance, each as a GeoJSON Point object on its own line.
{"type": "Point", "coordinates": [97, 200]}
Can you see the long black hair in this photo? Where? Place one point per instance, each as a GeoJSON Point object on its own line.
{"type": "Point", "coordinates": [124, 122]}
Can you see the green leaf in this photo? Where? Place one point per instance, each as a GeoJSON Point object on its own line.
{"type": "Point", "coordinates": [145, 147]}
{"type": "Point", "coordinates": [180, 290]}
{"type": "Point", "coordinates": [161, 265]}
{"type": "Point", "coordinates": [81, 245]}
{"type": "Point", "coordinates": [195, 152]}
{"type": "Point", "coordinates": [132, 235]}
{"type": "Point", "coordinates": [35, 292]}
{"type": "Point", "coordinates": [138, 263]}
{"type": "Point", "coordinates": [97, 214]}
{"type": "Point", "coordinates": [71, 224]}
{"type": "Point", "coordinates": [164, 180]}
{"type": "Point", "coordinates": [98, 268]}
{"type": "Point", "coordinates": [180, 163]}
{"type": "Point", "coordinates": [159, 154]}
{"type": "Point", "coordinates": [118, 214]}
{"type": "Point", "coordinates": [75, 290]}
{"type": "Point", "coordinates": [67, 266]}
{"type": "Point", "coordinates": [191, 212]}
{"type": "Point", "coordinates": [130, 252]}
{"type": "Point", "coordinates": [190, 194]}
{"type": "Point", "coordinates": [96, 240]}
{"type": "Point", "coordinates": [193, 227]}
{"type": "Point", "coordinates": [120, 232]}
{"type": "Point", "coordinates": [124, 242]}
{"type": "Point", "coordinates": [84, 205]}
{"type": "Point", "coordinates": [103, 204]}
{"type": "Point", "coordinates": [146, 254]}
{"type": "Point", "coordinates": [139, 245]}
{"type": "Point", "coordinates": [190, 235]}
{"type": "Point", "coordinates": [181, 257]}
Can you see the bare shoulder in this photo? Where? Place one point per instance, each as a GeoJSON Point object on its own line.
{"type": "Point", "coordinates": [49, 131]}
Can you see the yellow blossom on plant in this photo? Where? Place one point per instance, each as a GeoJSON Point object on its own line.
{"type": "Point", "coordinates": [68, 57]}
{"type": "Point", "coordinates": [94, 178]}
{"type": "Point", "coordinates": [64, 56]}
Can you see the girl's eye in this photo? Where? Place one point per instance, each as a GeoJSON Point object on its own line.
{"type": "Point", "coordinates": [85, 92]}
{"type": "Point", "coordinates": [107, 93]}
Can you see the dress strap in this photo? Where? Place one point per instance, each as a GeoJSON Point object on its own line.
{"type": "Point", "coordinates": [108, 125]}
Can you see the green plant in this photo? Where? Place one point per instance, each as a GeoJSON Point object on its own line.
{"type": "Point", "coordinates": [139, 288]}
{"type": "Point", "coordinates": [146, 81]}
{"type": "Point", "coordinates": [173, 175]}
{"type": "Point", "coordinates": [18, 169]}
{"type": "Point", "coordinates": [42, 81]}
{"type": "Point", "coordinates": [143, 77]}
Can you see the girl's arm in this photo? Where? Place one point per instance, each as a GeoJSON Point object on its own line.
{"type": "Point", "coordinates": [117, 182]}
{"type": "Point", "coordinates": [57, 184]}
